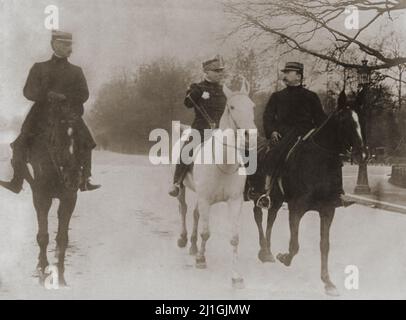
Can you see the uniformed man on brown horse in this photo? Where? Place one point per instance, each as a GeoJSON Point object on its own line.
{"type": "Point", "coordinates": [52, 82]}
{"type": "Point", "coordinates": [289, 114]}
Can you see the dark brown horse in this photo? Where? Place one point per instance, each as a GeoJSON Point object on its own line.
{"type": "Point", "coordinates": [54, 158]}
{"type": "Point", "coordinates": [307, 183]}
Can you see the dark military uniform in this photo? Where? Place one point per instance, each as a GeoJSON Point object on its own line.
{"type": "Point", "coordinates": [292, 112]}
{"type": "Point", "coordinates": [209, 102]}
{"type": "Point", "coordinates": [293, 109]}
{"type": "Point", "coordinates": [210, 97]}
{"type": "Point", "coordinates": [59, 76]}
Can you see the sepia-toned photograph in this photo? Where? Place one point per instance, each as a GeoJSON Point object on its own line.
{"type": "Point", "coordinates": [202, 150]}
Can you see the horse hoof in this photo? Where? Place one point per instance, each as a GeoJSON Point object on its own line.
{"type": "Point", "coordinates": [284, 258]}
{"type": "Point", "coordinates": [201, 263]}
{"type": "Point", "coordinates": [42, 277]}
{"type": "Point", "coordinates": [62, 283]}
{"type": "Point", "coordinates": [265, 256]}
{"type": "Point", "coordinates": [331, 290]}
{"type": "Point", "coordinates": [182, 241]}
{"type": "Point", "coordinates": [193, 250]}
{"type": "Point", "coordinates": [238, 283]}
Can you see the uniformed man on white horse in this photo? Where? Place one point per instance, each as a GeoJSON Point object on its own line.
{"type": "Point", "coordinates": [209, 102]}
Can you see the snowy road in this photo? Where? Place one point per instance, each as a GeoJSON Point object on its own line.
{"type": "Point", "coordinates": [123, 246]}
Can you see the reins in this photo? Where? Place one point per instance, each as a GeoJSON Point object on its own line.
{"type": "Point", "coordinates": [316, 131]}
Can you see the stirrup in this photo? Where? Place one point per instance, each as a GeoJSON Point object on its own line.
{"type": "Point", "coordinates": [264, 201]}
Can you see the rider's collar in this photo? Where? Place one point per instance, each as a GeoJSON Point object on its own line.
{"type": "Point", "coordinates": [210, 81]}
{"type": "Point", "coordinates": [294, 86]}
{"type": "Point", "coordinates": [58, 59]}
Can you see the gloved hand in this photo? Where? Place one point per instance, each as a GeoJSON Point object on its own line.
{"type": "Point", "coordinates": [275, 137]}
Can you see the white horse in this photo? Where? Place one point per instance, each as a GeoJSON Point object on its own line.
{"type": "Point", "coordinates": [215, 183]}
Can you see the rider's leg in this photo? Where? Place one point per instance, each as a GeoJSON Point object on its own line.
{"type": "Point", "coordinates": [256, 182]}
{"type": "Point", "coordinates": [86, 185]}
{"type": "Point", "coordinates": [181, 170]}
{"type": "Point", "coordinates": [180, 173]}
{"type": "Point", "coordinates": [18, 163]}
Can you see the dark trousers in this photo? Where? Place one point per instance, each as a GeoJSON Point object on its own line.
{"type": "Point", "coordinates": [271, 160]}
{"type": "Point", "coordinates": [182, 168]}
{"type": "Point", "coordinates": [19, 158]}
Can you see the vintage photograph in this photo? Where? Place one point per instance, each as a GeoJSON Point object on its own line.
{"type": "Point", "coordinates": [202, 150]}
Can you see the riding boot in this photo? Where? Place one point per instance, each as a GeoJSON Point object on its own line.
{"type": "Point", "coordinates": [180, 173]}
{"type": "Point", "coordinates": [85, 184]}
{"type": "Point", "coordinates": [18, 163]}
{"type": "Point", "coordinates": [264, 200]}
{"type": "Point", "coordinates": [257, 185]}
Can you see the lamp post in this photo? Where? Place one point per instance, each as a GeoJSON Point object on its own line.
{"type": "Point", "coordinates": [364, 79]}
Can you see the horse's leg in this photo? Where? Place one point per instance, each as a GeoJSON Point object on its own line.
{"type": "Point", "coordinates": [193, 238]}
{"type": "Point", "coordinates": [65, 210]}
{"type": "Point", "coordinates": [294, 220]}
{"type": "Point", "coordinates": [182, 241]}
{"type": "Point", "coordinates": [234, 209]}
{"type": "Point", "coordinates": [272, 212]}
{"type": "Point", "coordinates": [326, 218]}
{"type": "Point", "coordinates": [204, 212]}
{"type": "Point", "coordinates": [262, 241]}
{"type": "Point", "coordinates": [42, 204]}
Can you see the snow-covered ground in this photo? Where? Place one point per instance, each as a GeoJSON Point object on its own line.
{"type": "Point", "coordinates": [123, 245]}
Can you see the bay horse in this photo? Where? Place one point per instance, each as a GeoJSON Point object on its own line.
{"type": "Point", "coordinates": [54, 171]}
{"type": "Point", "coordinates": [215, 183]}
{"type": "Point", "coordinates": [306, 184]}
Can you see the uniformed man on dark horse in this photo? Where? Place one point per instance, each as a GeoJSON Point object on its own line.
{"type": "Point", "coordinates": [289, 114]}
{"type": "Point", "coordinates": [209, 102]}
{"type": "Point", "coordinates": [55, 81]}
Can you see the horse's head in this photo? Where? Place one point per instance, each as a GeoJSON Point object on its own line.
{"type": "Point", "coordinates": [64, 150]}
{"type": "Point", "coordinates": [349, 128]}
{"type": "Point", "coordinates": [239, 112]}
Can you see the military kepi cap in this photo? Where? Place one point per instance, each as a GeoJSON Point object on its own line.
{"type": "Point", "coordinates": [293, 66]}
{"type": "Point", "coordinates": [61, 36]}
{"type": "Point", "coordinates": [214, 64]}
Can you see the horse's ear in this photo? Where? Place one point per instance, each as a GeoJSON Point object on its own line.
{"type": "Point", "coordinates": [342, 100]}
{"type": "Point", "coordinates": [245, 87]}
{"type": "Point", "coordinates": [227, 91]}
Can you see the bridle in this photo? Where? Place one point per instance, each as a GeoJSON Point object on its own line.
{"type": "Point", "coordinates": [51, 144]}
{"type": "Point", "coordinates": [315, 132]}
{"type": "Point", "coordinates": [235, 147]}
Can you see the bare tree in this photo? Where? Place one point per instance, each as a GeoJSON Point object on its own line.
{"type": "Point", "coordinates": [393, 47]}
{"type": "Point", "coordinates": [300, 24]}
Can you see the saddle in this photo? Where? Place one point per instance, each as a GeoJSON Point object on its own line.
{"type": "Point", "coordinates": [274, 180]}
